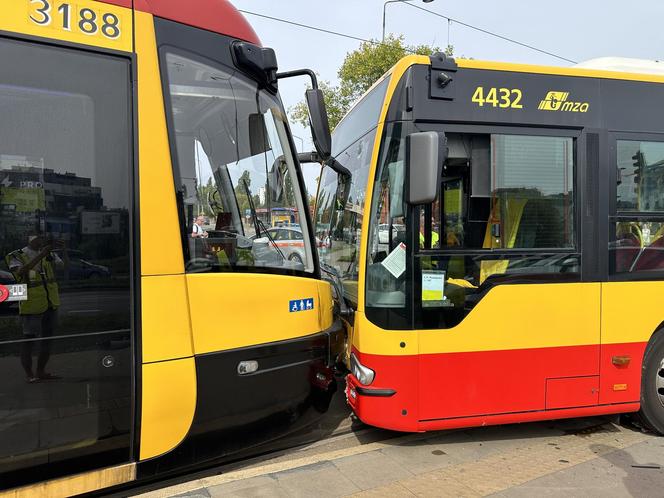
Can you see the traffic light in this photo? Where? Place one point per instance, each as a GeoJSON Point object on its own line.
{"type": "Point", "coordinates": [639, 163]}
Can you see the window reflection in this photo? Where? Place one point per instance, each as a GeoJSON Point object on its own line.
{"type": "Point", "coordinates": [65, 204]}
{"type": "Point", "coordinates": [237, 176]}
{"type": "Point", "coordinates": [640, 176]}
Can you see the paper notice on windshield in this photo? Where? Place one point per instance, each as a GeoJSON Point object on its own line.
{"type": "Point", "coordinates": [433, 288]}
{"type": "Point", "coordinates": [395, 262]}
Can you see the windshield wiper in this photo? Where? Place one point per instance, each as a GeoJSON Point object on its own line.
{"type": "Point", "coordinates": [258, 224]}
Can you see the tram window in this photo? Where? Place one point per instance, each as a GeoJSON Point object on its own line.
{"type": "Point", "coordinates": [640, 176]}
{"type": "Point", "coordinates": [235, 167]}
{"type": "Point", "coordinates": [65, 205]}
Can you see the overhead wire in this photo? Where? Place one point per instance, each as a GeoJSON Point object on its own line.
{"type": "Point", "coordinates": [491, 33]}
{"type": "Point", "coordinates": [375, 42]}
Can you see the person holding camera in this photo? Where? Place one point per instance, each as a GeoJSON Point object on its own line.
{"type": "Point", "coordinates": [34, 265]}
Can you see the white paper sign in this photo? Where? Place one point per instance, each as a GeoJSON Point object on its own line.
{"type": "Point", "coordinates": [433, 288]}
{"type": "Point", "coordinates": [395, 262]}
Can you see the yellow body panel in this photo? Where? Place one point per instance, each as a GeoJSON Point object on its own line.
{"type": "Point", "coordinates": [17, 14]}
{"type": "Point", "coordinates": [231, 311]}
{"type": "Point", "coordinates": [631, 311]}
{"type": "Point", "coordinates": [168, 405]}
{"type": "Point", "coordinates": [161, 245]}
{"type": "Point", "coordinates": [508, 317]}
{"type": "Point", "coordinates": [165, 327]}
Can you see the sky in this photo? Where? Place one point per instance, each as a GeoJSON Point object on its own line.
{"type": "Point", "coordinates": [575, 29]}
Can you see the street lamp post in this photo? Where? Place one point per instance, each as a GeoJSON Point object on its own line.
{"type": "Point", "coordinates": [301, 142]}
{"type": "Point", "coordinates": [396, 1]}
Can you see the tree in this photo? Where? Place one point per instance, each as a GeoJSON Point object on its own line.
{"type": "Point", "coordinates": [241, 193]}
{"type": "Point", "coordinates": [361, 69]}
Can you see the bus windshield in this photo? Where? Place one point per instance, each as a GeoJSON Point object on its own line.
{"type": "Point", "coordinates": [236, 170]}
{"type": "Point", "coordinates": [340, 205]}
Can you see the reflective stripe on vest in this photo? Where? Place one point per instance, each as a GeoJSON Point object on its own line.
{"type": "Point", "coordinates": [42, 287]}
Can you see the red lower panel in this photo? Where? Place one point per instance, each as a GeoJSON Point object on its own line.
{"type": "Point", "coordinates": [572, 392]}
{"type": "Point", "coordinates": [492, 387]}
{"type": "Point", "coordinates": [488, 382]}
{"type": "Point", "coordinates": [621, 383]}
{"type": "Point", "coordinates": [512, 418]}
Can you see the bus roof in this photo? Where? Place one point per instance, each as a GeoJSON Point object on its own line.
{"type": "Point", "coordinates": [591, 70]}
{"type": "Point", "coordinates": [219, 16]}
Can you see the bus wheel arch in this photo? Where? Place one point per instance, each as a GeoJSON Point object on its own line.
{"type": "Point", "coordinates": [651, 414]}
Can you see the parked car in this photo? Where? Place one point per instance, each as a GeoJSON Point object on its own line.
{"type": "Point", "coordinates": [384, 229]}
{"type": "Point", "coordinates": [81, 269]}
{"type": "Point", "coordinates": [290, 241]}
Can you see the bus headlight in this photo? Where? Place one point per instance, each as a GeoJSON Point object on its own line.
{"type": "Point", "coordinates": [363, 374]}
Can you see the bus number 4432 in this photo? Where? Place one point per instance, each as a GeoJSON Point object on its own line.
{"type": "Point", "coordinates": [498, 97]}
{"type": "Point", "coordinates": [69, 17]}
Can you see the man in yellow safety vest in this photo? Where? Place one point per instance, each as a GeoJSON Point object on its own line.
{"type": "Point", "coordinates": [34, 265]}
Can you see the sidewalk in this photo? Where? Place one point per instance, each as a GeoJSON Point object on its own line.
{"type": "Point", "coordinates": [585, 457]}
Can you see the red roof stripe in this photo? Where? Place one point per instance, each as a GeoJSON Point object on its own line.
{"type": "Point", "coordinates": [218, 16]}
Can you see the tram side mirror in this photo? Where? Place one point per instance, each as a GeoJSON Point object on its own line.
{"type": "Point", "coordinates": [320, 125]}
{"type": "Point", "coordinates": [425, 152]}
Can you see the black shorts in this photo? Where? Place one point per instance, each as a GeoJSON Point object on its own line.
{"type": "Point", "coordinates": [41, 324]}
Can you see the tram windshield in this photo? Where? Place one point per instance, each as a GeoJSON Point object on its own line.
{"type": "Point", "coordinates": [235, 165]}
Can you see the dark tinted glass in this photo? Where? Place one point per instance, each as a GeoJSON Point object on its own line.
{"type": "Point", "coordinates": [640, 176]}
{"type": "Point", "coordinates": [65, 204]}
{"type": "Point", "coordinates": [638, 246]}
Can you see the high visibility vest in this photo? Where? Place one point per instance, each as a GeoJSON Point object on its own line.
{"type": "Point", "coordinates": [42, 287]}
{"type": "Point", "coordinates": [434, 239]}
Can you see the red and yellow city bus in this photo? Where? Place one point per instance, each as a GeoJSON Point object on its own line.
{"type": "Point", "coordinates": [510, 265]}
{"type": "Point", "coordinates": [133, 340]}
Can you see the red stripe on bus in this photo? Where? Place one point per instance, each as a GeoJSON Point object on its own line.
{"type": "Point", "coordinates": [485, 384]}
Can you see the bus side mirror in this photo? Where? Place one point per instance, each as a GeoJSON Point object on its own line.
{"type": "Point", "coordinates": [426, 152]}
{"type": "Point", "coordinates": [320, 126]}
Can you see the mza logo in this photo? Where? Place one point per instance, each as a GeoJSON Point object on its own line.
{"type": "Point", "coordinates": [559, 101]}
{"type": "Point", "coordinates": [301, 304]}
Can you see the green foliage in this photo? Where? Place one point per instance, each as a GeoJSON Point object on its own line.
{"type": "Point", "coordinates": [241, 193]}
{"type": "Point", "coordinates": [361, 69]}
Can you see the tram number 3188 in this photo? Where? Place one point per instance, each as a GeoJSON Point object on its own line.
{"type": "Point", "coordinates": [70, 17]}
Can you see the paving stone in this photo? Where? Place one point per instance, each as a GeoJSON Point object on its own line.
{"type": "Point", "coordinates": [322, 480]}
{"type": "Point", "coordinates": [394, 490]}
{"type": "Point", "coordinates": [271, 489]}
{"type": "Point", "coordinates": [370, 470]}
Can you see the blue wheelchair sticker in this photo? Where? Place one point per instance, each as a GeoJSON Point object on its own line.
{"type": "Point", "coordinates": [301, 305]}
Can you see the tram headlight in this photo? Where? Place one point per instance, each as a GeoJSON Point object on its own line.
{"type": "Point", "coordinates": [363, 374]}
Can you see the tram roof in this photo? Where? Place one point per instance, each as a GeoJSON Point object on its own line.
{"type": "Point", "coordinates": [219, 16]}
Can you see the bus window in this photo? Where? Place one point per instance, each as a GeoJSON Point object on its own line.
{"type": "Point", "coordinates": [234, 166]}
{"type": "Point", "coordinates": [344, 216]}
{"type": "Point", "coordinates": [640, 176]}
{"type": "Point", "coordinates": [638, 245]}
{"type": "Point", "coordinates": [388, 225]}
{"type": "Point", "coordinates": [506, 209]}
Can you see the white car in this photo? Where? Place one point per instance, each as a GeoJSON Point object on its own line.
{"type": "Point", "coordinates": [290, 241]}
{"type": "Point", "coordinates": [383, 232]}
